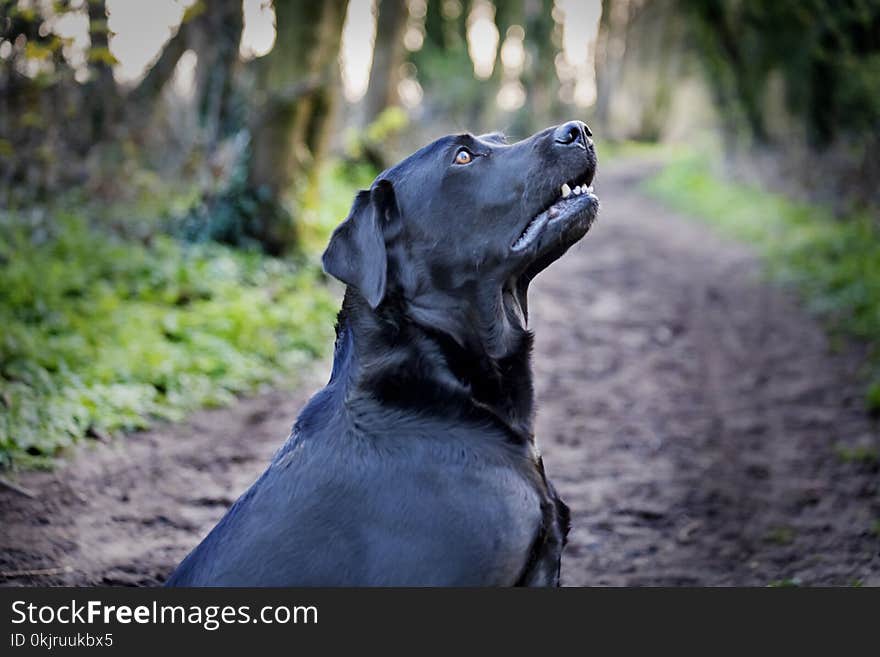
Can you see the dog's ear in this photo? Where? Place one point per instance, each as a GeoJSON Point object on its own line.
{"type": "Point", "coordinates": [356, 254]}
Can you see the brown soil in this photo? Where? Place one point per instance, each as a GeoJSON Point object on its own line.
{"type": "Point", "coordinates": [691, 415]}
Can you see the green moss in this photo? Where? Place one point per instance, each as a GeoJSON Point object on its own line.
{"type": "Point", "coordinates": [833, 262]}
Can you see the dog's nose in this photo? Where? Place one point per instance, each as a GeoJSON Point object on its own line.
{"type": "Point", "coordinates": [573, 133]}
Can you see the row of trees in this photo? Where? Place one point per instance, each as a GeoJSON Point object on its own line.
{"type": "Point", "coordinates": [53, 114]}
{"type": "Point", "coordinates": [60, 128]}
{"type": "Point", "coordinates": [818, 60]}
{"type": "Point", "coordinates": [65, 126]}
{"type": "Point", "coordinates": [798, 81]}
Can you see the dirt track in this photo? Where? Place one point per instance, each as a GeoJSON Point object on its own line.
{"type": "Point", "coordinates": [689, 414]}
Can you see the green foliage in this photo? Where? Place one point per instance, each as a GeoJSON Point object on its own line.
{"type": "Point", "coordinates": [241, 217]}
{"type": "Point", "coordinates": [448, 80]}
{"type": "Point", "coordinates": [445, 69]}
{"type": "Point", "coordinates": [237, 215]}
{"type": "Point", "coordinates": [390, 122]}
{"type": "Point", "coordinates": [338, 183]}
{"type": "Point", "coordinates": [861, 454]}
{"type": "Point", "coordinates": [369, 145]}
{"type": "Point", "coordinates": [874, 396]}
{"type": "Point", "coordinates": [101, 55]}
{"type": "Point", "coordinates": [835, 264]}
{"type": "Point", "coordinates": [792, 582]}
{"type": "Point", "coordinates": [612, 150]}
{"type": "Point", "coordinates": [825, 53]}
{"type": "Point", "coordinates": [780, 536]}
{"type": "Point", "coordinates": [99, 334]}
{"type": "Point", "coordinates": [195, 10]}
{"type": "Point", "coordinates": [42, 51]}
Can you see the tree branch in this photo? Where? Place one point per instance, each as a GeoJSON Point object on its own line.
{"type": "Point", "coordinates": [163, 68]}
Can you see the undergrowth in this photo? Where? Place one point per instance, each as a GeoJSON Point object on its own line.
{"type": "Point", "coordinates": [102, 334]}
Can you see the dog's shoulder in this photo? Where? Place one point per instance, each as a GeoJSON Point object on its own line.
{"type": "Point", "coordinates": [417, 502]}
{"type": "Point", "coordinates": [465, 509]}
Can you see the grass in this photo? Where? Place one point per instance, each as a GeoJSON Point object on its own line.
{"type": "Point", "coordinates": [780, 536]}
{"type": "Point", "coordinates": [611, 150]}
{"type": "Point", "coordinates": [861, 455]}
{"type": "Point", "coordinates": [834, 263]}
{"type": "Point", "coordinates": [792, 582]}
{"type": "Point", "coordinates": [101, 334]}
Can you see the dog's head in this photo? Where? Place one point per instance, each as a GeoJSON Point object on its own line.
{"type": "Point", "coordinates": [458, 229]}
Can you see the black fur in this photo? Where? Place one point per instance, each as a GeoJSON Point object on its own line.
{"type": "Point", "coordinates": [416, 464]}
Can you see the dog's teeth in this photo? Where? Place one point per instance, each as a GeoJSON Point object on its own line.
{"type": "Point", "coordinates": [577, 190]}
{"type": "Point", "coordinates": [566, 190]}
{"type": "Point", "coordinates": [590, 189]}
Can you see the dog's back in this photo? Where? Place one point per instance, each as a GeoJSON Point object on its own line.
{"type": "Point", "coordinates": [424, 503]}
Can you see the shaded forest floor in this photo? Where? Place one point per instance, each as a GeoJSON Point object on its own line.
{"type": "Point", "coordinates": [692, 416]}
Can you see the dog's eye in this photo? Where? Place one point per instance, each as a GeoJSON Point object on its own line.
{"type": "Point", "coordinates": [463, 156]}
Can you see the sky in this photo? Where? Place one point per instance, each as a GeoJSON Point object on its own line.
{"type": "Point", "coordinates": [140, 28]}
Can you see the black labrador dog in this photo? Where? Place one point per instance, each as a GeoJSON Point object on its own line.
{"type": "Point", "coordinates": [416, 465]}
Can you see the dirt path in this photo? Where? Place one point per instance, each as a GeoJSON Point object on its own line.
{"type": "Point", "coordinates": [689, 414]}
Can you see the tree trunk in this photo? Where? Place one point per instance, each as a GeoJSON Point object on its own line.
{"type": "Point", "coordinates": [388, 55]}
{"type": "Point", "coordinates": [216, 46]}
{"type": "Point", "coordinates": [733, 81]}
{"type": "Point", "coordinates": [610, 49]}
{"type": "Point", "coordinates": [103, 97]}
{"type": "Point", "coordinates": [507, 14]}
{"type": "Point", "coordinates": [300, 82]}
{"type": "Point", "coordinates": [434, 26]}
{"type": "Point", "coordinates": [539, 78]}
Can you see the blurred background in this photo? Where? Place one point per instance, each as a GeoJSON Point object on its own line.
{"type": "Point", "coordinates": [707, 361]}
{"type": "Point", "coordinates": [169, 170]}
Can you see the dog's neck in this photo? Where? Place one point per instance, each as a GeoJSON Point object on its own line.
{"type": "Point", "coordinates": [399, 358]}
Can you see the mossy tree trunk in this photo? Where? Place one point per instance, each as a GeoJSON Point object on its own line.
{"type": "Point", "coordinates": [103, 97]}
{"type": "Point", "coordinates": [388, 56]}
{"type": "Point", "coordinates": [299, 83]}
{"type": "Point", "coordinates": [216, 46]}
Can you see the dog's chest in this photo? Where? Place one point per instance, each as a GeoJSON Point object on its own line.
{"type": "Point", "coordinates": [483, 506]}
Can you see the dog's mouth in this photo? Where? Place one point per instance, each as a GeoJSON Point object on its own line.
{"type": "Point", "coordinates": [575, 206]}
